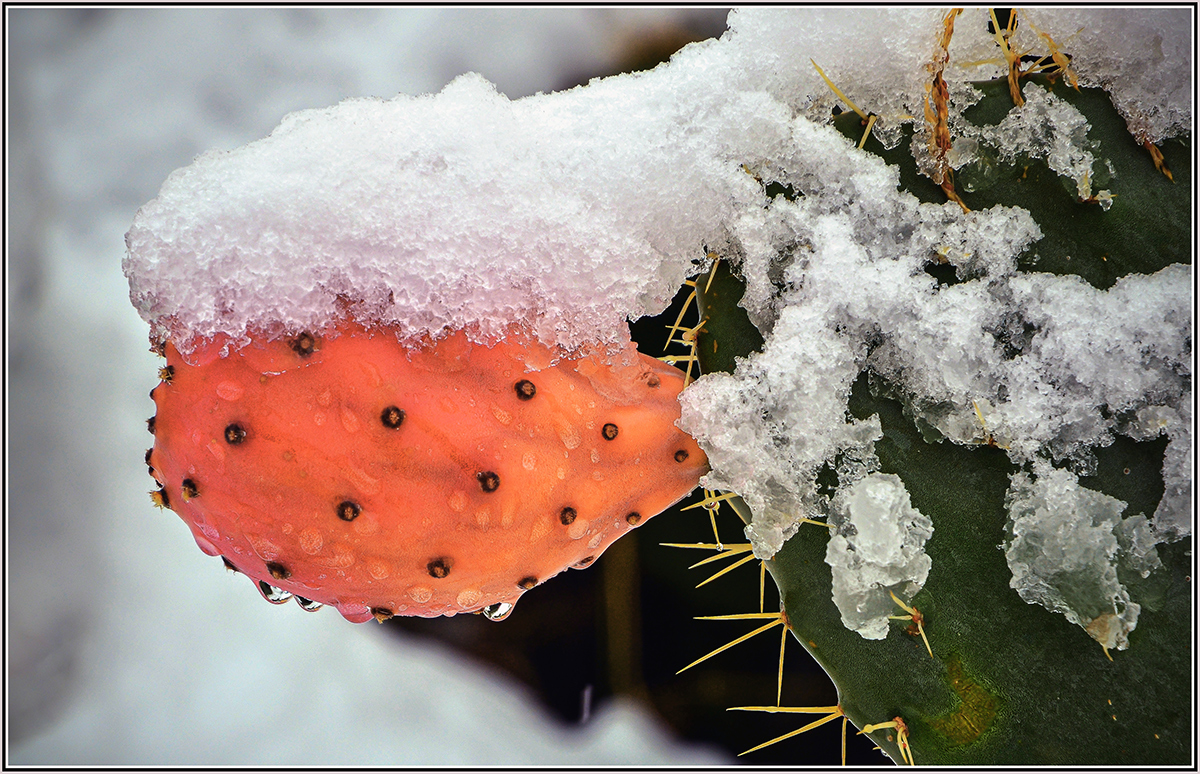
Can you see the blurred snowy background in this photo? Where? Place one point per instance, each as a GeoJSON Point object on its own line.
{"type": "Point", "coordinates": [126, 645]}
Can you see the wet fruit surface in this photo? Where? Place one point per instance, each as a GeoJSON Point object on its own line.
{"type": "Point", "coordinates": [347, 470]}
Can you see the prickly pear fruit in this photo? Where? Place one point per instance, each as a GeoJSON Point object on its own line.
{"type": "Point", "coordinates": [348, 470]}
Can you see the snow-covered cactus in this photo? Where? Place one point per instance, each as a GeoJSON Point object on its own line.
{"type": "Point", "coordinates": [1009, 481]}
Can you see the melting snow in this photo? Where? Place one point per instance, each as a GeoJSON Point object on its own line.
{"type": "Point", "coordinates": [877, 547]}
{"type": "Point", "coordinates": [1063, 547]}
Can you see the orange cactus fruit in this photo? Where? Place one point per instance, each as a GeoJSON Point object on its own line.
{"type": "Point", "coordinates": [347, 469]}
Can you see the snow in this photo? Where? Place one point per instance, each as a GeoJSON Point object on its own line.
{"type": "Point", "coordinates": [1141, 56]}
{"type": "Point", "coordinates": [461, 209]}
{"type": "Point", "coordinates": [877, 547]}
{"type": "Point", "coordinates": [1063, 546]}
{"type": "Point", "coordinates": [1047, 128]}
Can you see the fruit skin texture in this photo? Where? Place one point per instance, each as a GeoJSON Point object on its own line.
{"type": "Point", "coordinates": [352, 471]}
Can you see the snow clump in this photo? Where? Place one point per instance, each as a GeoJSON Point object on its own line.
{"type": "Point", "coordinates": [1063, 547]}
{"type": "Point", "coordinates": [877, 547]}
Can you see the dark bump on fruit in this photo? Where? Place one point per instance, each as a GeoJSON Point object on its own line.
{"type": "Point", "coordinates": [348, 510]}
{"type": "Point", "coordinates": [525, 389]}
{"type": "Point", "coordinates": [159, 348]}
{"type": "Point", "coordinates": [584, 562]}
{"type": "Point", "coordinates": [148, 453]}
{"type": "Point", "coordinates": [150, 425]}
{"type": "Point", "coordinates": [234, 434]}
{"type": "Point", "coordinates": [166, 374]}
{"type": "Point", "coordinates": [381, 613]}
{"type": "Point", "coordinates": [609, 431]}
{"type": "Point", "coordinates": [278, 571]}
{"type": "Point", "coordinates": [439, 568]}
{"type": "Point", "coordinates": [527, 582]}
{"type": "Point", "coordinates": [160, 499]}
{"type": "Point", "coordinates": [633, 517]}
{"type": "Point", "coordinates": [229, 565]}
{"type": "Point", "coordinates": [653, 381]}
{"type": "Point", "coordinates": [567, 515]}
{"type": "Point", "coordinates": [681, 455]}
{"type": "Point", "coordinates": [488, 481]}
{"type": "Point", "coordinates": [304, 344]}
{"type": "Point", "coordinates": [189, 489]}
{"type": "Point", "coordinates": [392, 416]}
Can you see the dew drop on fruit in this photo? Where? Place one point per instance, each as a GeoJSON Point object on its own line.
{"type": "Point", "coordinates": [355, 613]}
{"type": "Point", "coordinates": [274, 595]}
{"type": "Point", "coordinates": [570, 436]}
{"type": "Point", "coordinates": [229, 390]}
{"type": "Point", "coordinates": [311, 540]}
{"type": "Point", "coordinates": [349, 420]}
{"type": "Point", "coordinates": [378, 569]}
{"type": "Point", "coordinates": [498, 611]}
{"type": "Point", "coordinates": [205, 546]}
{"type": "Point", "coordinates": [308, 604]}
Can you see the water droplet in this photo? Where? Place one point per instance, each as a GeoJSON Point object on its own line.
{"type": "Point", "coordinates": [276, 596]}
{"type": "Point", "coordinates": [308, 604]}
{"type": "Point", "coordinates": [229, 391]}
{"type": "Point", "coordinates": [570, 435]}
{"type": "Point", "coordinates": [498, 611]}
{"type": "Point", "coordinates": [311, 540]}
{"type": "Point", "coordinates": [355, 613]}
{"type": "Point", "coordinates": [577, 529]}
{"type": "Point", "coordinates": [205, 545]}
